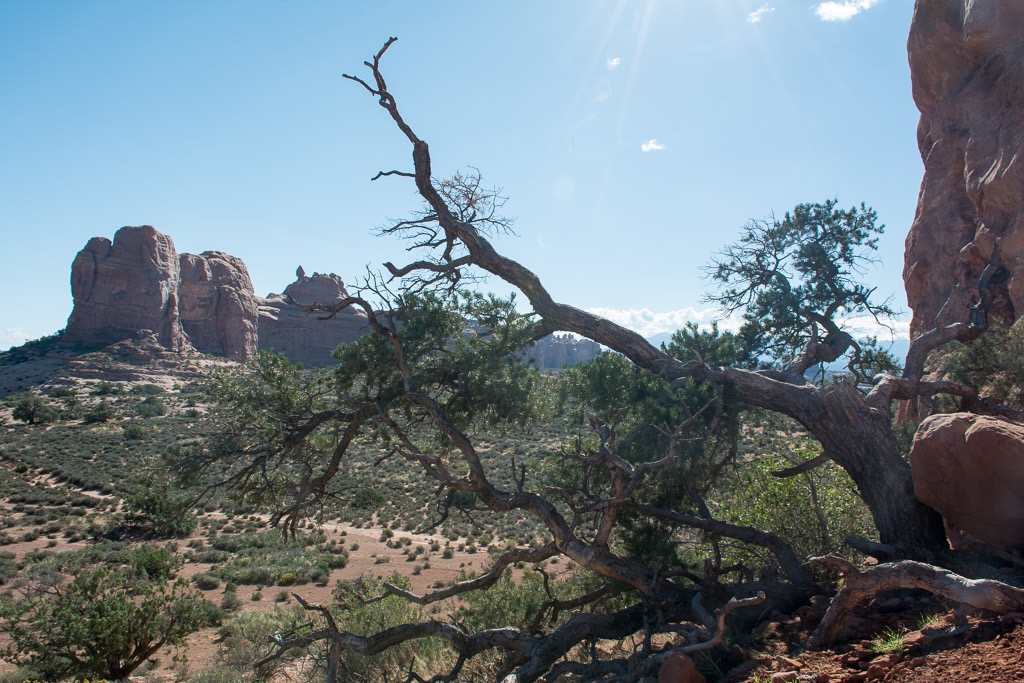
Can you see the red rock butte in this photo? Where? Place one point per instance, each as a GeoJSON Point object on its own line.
{"type": "Point", "coordinates": [204, 302]}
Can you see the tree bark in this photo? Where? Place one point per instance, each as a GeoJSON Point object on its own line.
{"type": "Point", "coordinates": [862, 585]}
{"type": "Point", "coordinates": [857, 437]}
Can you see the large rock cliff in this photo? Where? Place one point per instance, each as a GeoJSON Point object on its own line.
{"type": "Point", "coordinates": [138, 287]}
{"type": "Point", "coordinates": [125, 286]}
{"type": "Point", "coordinates": [204, 302]}
{"type": "Point", "coordinates": [967, 68]}
{"type": "Point", "coordinates": [217, 306]}
{"type": "Point", "coordinates": [300, 335]}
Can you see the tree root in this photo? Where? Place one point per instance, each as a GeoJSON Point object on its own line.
{"type": "Point", "coordinates": [863, 584]}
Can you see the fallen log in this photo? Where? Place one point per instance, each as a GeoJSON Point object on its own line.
{"type": "Point", "coordinates": [861, 585]}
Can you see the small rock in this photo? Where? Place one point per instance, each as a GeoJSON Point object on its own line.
{"type": "Point", "coordinates": [787, 664]}
{"type": "Point", "coordinates": [784, 676]}
{"type": "Point", "coordinates": [820, 602]}
{"type": "Point", "coordinates": [876, 671]}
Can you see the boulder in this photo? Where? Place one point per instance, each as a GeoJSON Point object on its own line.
{"type": "Point", "coordinates": [967, 70]}
{"type": "Point", "coordinates": [285, 326]}
{"type": "Point", "coordinates": [218, 308]}
{"type": "Point", "coordinates": [125, 286]}
{"type": "Point", "coordinates": [678, 668]}
{"type": "Point", "coordinates": [970, 468]}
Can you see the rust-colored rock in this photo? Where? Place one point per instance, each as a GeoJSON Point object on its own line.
{"type": "Point", "coordinates": [967, 68]}
{"type": "Point", "coordinates": [678, 668]}
{"type": "Point", "coordinates": [970, 468]}
{"type": "Point", "coordinates": [300, 335]}
{"type": "Point", "coordinates": [125, 286]}
{"type": "Point", "coordinates": [217, 305]}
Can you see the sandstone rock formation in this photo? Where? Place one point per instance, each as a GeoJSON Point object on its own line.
{"type": "Point", "coordinates": [562, 350]}
{"type": "Point", "coordinates": [967, 68]}
{"type": "Point", "coordinates": [300, 335]}
{"type": "Point", "coordinates": [126, 286]}
{"type": "Point", "coordinates": [217, 305]}
{"type": "Point", "coordinates": [970, 468]}
{"type": "Point", "coordinates": [204, 302]}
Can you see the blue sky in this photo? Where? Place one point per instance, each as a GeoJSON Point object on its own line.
{"type": "Point", "coordinates": [633, 138]}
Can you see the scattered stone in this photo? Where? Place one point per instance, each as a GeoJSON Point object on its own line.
{"type": "Point", "coordinates": [785, 664]}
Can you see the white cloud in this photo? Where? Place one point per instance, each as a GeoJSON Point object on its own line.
{"type": "Point", "coordinates": [648, 323]}
{"type": "Point", "coordinates": [843, 10]}
{"type": "Point", "coordinates": [13, 337]}
{"type": "Point", "coordinates": [652, 145]}
{"type": "Point", "coordinates": [758, 14]}
{"type": "Point", "coordinates": [866, 326]}
{"type": "Point", "coordinates": [612, 63]}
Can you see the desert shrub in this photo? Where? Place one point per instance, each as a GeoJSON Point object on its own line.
{"type": "Point", "coordinates": [101, 623]}
{"type": "Point", "coordinates": [206, 582]}
{"type": "Point", "coordinates": [133, 432]}
{"type": "Point", "coordinates": [246, 637]}
{"type": "Point", "coordinates": [994, 362]}
{"type": "Point", "coordinates": [106, 388]}
{"type": "Point", "coordinates": [506, 603]}
{"type": "Point", "coordinates": [158, 511]}
{"type": "Point", "coordinates": [813, 511]}
{"type": "Point", "coordinates": [229, 602]}
{"type": "Point", "coordinates": [357, 612]}
{"type": "Point", "coordinates": [32, 409]}
{"type": "Point", "coordinates": [264, 558]}
{"type": "Point", "coordinates": [101, 412]}
{"type": "Point", "coordinates": [151, 406]}
{"type": "Point", "coordinates": [8, 567]}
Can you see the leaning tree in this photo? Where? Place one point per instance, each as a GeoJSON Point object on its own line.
{"type": "Point", "coordinates": [442, 364]}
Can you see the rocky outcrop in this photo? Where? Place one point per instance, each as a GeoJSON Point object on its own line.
{"type": "Point", "coordinates": [967, 68]}
{"type": "Point", "coordinates": [217, 305]}
{"type": "Point", "coordinates": [125, 286]}
{"type": "Point", "coordinates": [562, 350]}
{"type": "Point", "coordinates": [138, 284]}
{"type": "Point", "coordinates": [970, 468]}
{"type": "Point", "coordinates": [287, 327]}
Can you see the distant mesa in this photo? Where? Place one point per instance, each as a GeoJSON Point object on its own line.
{"type": "Point", "coordinates": [204, 302]}
{"type": "Point", "coordinates": [139, 286]}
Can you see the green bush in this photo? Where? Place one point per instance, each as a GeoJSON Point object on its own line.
{"type": "Point", "coordinates": [101, 412]}
{"type": "Point", "coordinates": [105, 388]}
{"type": "Point", "coordinates": [151, 406]}
{"type": "Point", "coordinates": [206, 582]}
{"type": "Point", "coordinates": [133, 432]}
{"type": "Point", "coordinates": [32, 409]}
{"type": "Point", "coordinates": [102, 623]}
{"type": "Point", "coordinates": [358, 611]}
{"type": "Point", "coordinates": [813, 511]}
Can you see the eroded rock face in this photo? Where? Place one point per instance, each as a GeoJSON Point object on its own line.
{"type": "Point", "coordinates": [301, 336]}
{"type": "Point", "coordinates": [970, 468]}
{"type": "Point", "coordinates": [561, 351]}
{"type": "Point", "coordinates": [204, 302]}
{"type": "Point", "coordinates": [967, 68]}
{"type": "Point", "coordinates": [217, 305]}
{"type": "Point", "coordinates": [125, 286]}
